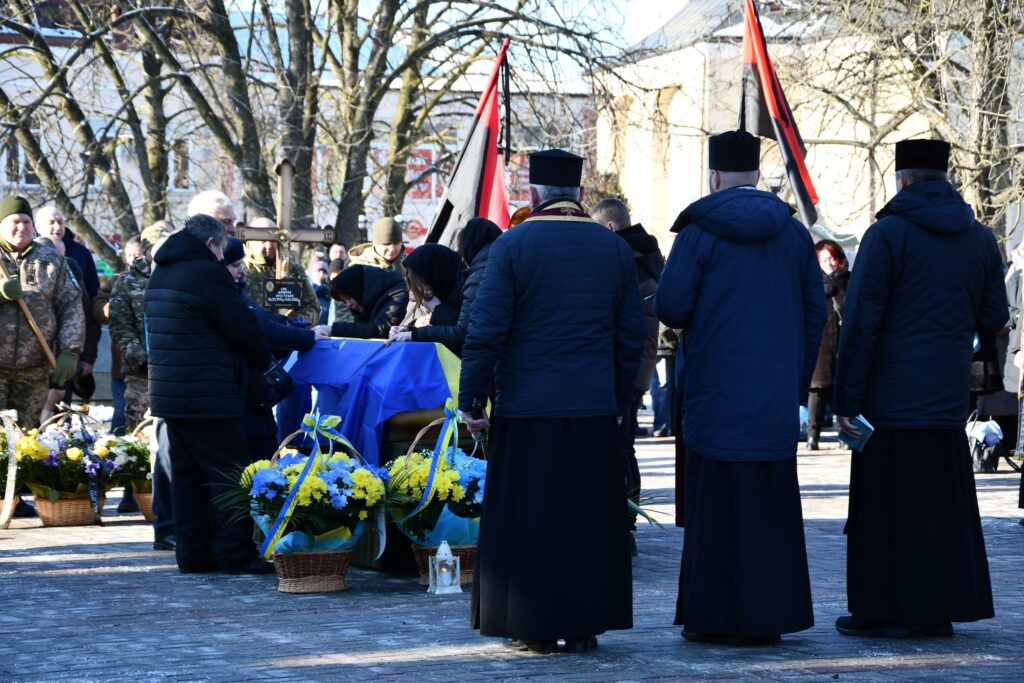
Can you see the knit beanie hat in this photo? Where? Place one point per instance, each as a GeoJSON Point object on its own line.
{"type": "Point", "coordinates": [387, 231]}
{"type": "Point", "coordinates": [234, 250]}
{"type": "Point", "coordinates": [12, 205]}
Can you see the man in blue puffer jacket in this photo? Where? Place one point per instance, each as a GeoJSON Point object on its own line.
{"type": "Point", "coordinates": [743, 283]}
{"type": "Point", "coordinates": [928, 277]}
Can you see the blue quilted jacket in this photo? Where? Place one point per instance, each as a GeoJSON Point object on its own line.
{"type": "Point", "coordinates": [744, 285]}
{"type": "Point", "coordinates": [557, 321]}
{"type": "Point", "coordinates": [926, 279]}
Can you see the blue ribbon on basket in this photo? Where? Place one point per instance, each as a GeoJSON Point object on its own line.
{"type": "Point", "coordinates": [448, 428]}
{"type": "Point", "coordinates": [314, 426]}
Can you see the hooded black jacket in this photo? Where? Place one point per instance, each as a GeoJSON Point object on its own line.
{"type": "Point", "coordinates": [384, 298]}
{"type": "Point", "coordinates": [927, 278]}
{"type": "Point", "coordinates": [203, 340]}
{"type": "Point", "coordinates": [83, 257]}
{"type": "Point", "coordinates": [649, 264]}
{"type": "Point", "coordinates": [743, 283]}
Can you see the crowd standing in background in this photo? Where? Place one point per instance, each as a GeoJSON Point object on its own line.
{"type": "Point", "coordinates": [746, 321]}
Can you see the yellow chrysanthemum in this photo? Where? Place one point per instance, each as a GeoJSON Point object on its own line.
{"type": "Point", "coordinates": [312, 489]}
{"type": "Point", "coordinates": [362, 514]}
{"type": "Point", "coordinates": [102, 451]}
{"type": "Point", "coordinates": [74, 454]}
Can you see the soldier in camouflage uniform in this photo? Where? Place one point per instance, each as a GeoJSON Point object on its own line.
{"type": "Point", "coordinates": [260, 267]}
{"type": "Point", "coordinates": [39, 276]}
{"type": "Point", "coordinates": [127, 321]}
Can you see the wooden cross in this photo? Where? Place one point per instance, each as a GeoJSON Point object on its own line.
{"type": "Point", "coordinates": [288, 292]}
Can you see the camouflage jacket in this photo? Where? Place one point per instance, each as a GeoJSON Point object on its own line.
{"type": "Point", "coordinates": [53, 297]}
{"type": "Point", "coordinates": [366, 255]}
{"type": "Point", "coordinates": [128, 317]}
{"type": "Point", "coordinates": [258, 273]}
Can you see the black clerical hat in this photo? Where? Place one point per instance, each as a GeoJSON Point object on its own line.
{"type": "Point", "coordinates": [556, 167]}
{"type": "Point", "coordinates": [734, 151]}
{"type": "Point", "coordinates": [931, 154]}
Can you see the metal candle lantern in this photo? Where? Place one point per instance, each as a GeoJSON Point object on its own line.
{"type": "Point", "coordinates": [445, 571]}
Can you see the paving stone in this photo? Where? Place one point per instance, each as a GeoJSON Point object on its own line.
{"type": "Point", "coordinates": [97, 603]}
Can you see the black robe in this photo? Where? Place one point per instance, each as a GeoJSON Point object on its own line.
{"type": "Point", "coordinates": [916, 550]}
{"type": "Point", "coordinates": [553, 558]}
{"type": "Point", "coordinates": [744, 570]}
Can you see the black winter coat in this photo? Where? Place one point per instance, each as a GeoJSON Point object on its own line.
{"type": "Point", "coordinates": [384, 299]}
{"type": "Point", "coordinates": [927, 278]}
{"type": "Point", "coordinates": [204, 342]}
{"type": "Point", "coordinates": [283, 339]}
{"type": "Point", "coordinates": [649, 264]}
{"type": "Point", "coordinates": [83, 257]}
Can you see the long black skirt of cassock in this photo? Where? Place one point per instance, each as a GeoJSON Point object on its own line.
{"type": "Point", "coordinates": [744, 569]}
{"type": "Point", "coordinates": [916, 550]}
{"type": "Point", "coordinates": [553, 554]}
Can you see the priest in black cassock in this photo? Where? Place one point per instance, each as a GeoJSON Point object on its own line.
{"type": "Point", "coordinates": [557, 323]}
{"type": "Point", "coordinates": [743, 283]}
{"type": "Point", "coordinates": [927, 279]}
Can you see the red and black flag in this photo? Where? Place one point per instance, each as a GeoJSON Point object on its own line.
{"type": "Point", "coordinates": [764, 111]}
{"type": "Point", "coordinates": [477, 185]}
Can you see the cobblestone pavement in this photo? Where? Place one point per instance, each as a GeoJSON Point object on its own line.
{"type": "Point", "coordinates": [96, 603]}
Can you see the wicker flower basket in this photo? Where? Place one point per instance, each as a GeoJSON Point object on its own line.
{"type": "Point", "coordinates": [68, 511]}
{"type": "Point", "coordinates": [465, 553]}
{"type": "Point", "coordinates": [4, 522]}
{"type": "Point", "coordinates": [314, 572]}
{"type": "Point", "coordinates": [143, 494]}
{"type": "Point", "coordinates": [145, 503]}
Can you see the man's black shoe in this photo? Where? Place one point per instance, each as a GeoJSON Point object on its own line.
{"type": "Point", "coordinates": [851, 626]}
{"type": "Point", "coordinates": [513, 643]}
{"type": "Point", "coordinates": [641, 431]}
{"type": "Point", "coordinates": [812, 443]}
{"type": "Point", "coordinates": [541, 647]}
{"type": "Point", "coordinates": [164, 543]}
{"type": "Point", "coordinates": [726, 639]}
{"type": "Point", "coordinates": [662, 433]}
{"type": "Point", "coordinates": [25, 509]}
{"type": "Point", "coordinates": [944, 630]}
{"type": "Point", "coordinates": [256, 566]}
{"type": "Point", "coordinates": [577, 645]}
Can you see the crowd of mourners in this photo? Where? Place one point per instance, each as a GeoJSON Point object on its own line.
{"type": "Point", "coordinates": [564, 322]}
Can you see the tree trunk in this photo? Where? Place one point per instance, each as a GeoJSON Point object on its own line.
{"type": "Point", "coordinates": [156, 142]}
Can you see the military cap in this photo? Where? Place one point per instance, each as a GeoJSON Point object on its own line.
{"type": "Point", "coordinates": [14, 204]}
{"type": "Point", "coordinates": [930, 154]}
{"type": "Point", "coordinates": [152, 234]}
{"type": "Point", "coordinates": [735, 151]}
{"type": "Point", "coordinates": [387, 231]}
{"type": "Point", "coordinates": [556, 167]}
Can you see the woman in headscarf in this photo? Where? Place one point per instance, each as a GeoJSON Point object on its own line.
{"type": "Point", "coordinates": [449, 321]}
{"type": "Point", "coordinates": [377, 299]}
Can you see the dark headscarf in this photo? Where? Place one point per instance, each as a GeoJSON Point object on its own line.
{"type": "Point", "coordinates": [478, 233]}
{"type": "Point", "coordinates": [438, 266]}
{"type": "Point", "coordinates": [350, 283]}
